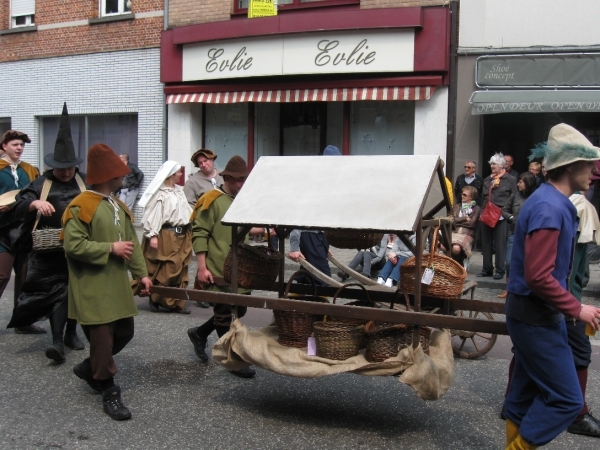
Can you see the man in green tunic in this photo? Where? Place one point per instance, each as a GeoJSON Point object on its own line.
{"type": "Point", "coordinates": [211, 241]}
{"type": "Point", "coordinates": [101, 246]}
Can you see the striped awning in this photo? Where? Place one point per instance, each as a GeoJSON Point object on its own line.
{"type": "Point", "coordinates": [307, 95]}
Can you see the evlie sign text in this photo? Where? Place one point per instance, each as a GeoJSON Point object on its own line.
{"type": "Point", "coordinates": [317, 53]}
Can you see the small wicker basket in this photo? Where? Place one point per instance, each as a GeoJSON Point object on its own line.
{"type": "Point", "coordinates": [353, 239]}
{"type": "Point", "coordinates": [46, 240]}
{"type": "Point", "coordinates": [336, 340]}
{"type": "Point", "coordinates": [294, 328]}
{"type": "Point", "coordinates": [448, 277]}
{"type": "Point", "coordinates": [406, 338]}
{"type": "Point", "coordinates": [383, 340]}
{"type": "Point", "coordinates": [258, 266]}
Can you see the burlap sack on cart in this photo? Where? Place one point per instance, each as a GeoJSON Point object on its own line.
{"type": "Point", "coordinates": [429, 375]}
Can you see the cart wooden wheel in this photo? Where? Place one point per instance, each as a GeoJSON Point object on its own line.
{"type": "Point", "coordinates": [470, 344]}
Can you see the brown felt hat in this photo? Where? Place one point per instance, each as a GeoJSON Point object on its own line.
{"type": "Point", "coordinates": [208, 154]}
{"type": "Point", "coordinates": [9, 198]}
{"type": "Point", "coordinates": [236, 167]}
{"type": "Point", "coordinates": [11, 135]}
{"type": "Point", "coordinates": [103, 165]}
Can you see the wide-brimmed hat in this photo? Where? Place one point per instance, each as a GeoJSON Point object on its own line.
{"type": "Point", "coordinates": [9, 198]}
{"type": "Point", "coordinates": [103, 165]}
{"type": "Point", "coordinates": [236, 167]}
{"type": "Point", "coordinates": [64, 151]}
{"type": "Point", "coordinates": [11, 135]}
{"type": "Point", "coordinates": [208, 154]}
{"type": "Point", "coordinates": [565, 145]}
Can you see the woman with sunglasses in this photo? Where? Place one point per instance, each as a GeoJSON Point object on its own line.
{"type": "Point", "coordinates": [466, 216]}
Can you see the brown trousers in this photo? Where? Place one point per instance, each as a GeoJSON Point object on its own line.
{"type": "Point", "coordinates": [8, 262]}
{"type": "Point", "coordinates": [107, 340]}
{"type": "Point", "coordinates": [168, 265]}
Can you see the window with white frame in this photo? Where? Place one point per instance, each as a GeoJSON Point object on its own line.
{"type": "Point", "coordinates": [22, 13]}
{"type": "Point", "coordinates": [112, 7]}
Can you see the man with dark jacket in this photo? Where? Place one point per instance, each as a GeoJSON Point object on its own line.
{"type": "Point", "coordinates": [469, 178]}
{"type": "Point", "coordinates": [131, 182]}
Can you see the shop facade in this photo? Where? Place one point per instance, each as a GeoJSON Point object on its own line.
{"type": "Point", "coordinates": [374, 83]}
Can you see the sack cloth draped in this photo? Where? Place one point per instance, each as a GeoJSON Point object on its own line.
{"type": "Point", "coordinates": [429, 375]}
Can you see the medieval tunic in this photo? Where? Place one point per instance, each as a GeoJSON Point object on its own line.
{"type": "Point", "coordinates": [199, 184]}
{"type": "Point", "coordinates": [99, 287]}
{"type": "Point", "coordinates": [167, 215]}
{"type": "Point", "coordinates": [211, 236]}
{"type": "Point", "coordinates": [45, 287]}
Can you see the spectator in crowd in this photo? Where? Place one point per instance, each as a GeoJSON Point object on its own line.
{"type": "Point", "coordinates": [167, 241]}
{"type": "Point", "coordinates": [390, 274]}
{"type": "Point", "coordinates": [369, 259]}
{"type": "Point", "coordinates": [510, 212]}
{"type": "Point", "coordinates": [469, 178]}
{"type": "Point", "coordinates": [536, 169]}
{"type": "Point", "coordinates": [509, 163]}
{"type": "Point", "coordinates": [44, 294]}
{"type": "Point", "coordinates": [14, 176]}
{"type": "Point", "coordinates": [466, 217]}
{"type": "Point", "coordinates": [131, 182]}
{"type": "Point", "coordinates": [501, 186]}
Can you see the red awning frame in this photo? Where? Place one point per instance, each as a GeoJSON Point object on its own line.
{"type": "Point", "coordinates": [307, 95]}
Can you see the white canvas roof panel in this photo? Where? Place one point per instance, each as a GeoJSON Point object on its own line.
{"type": "Point", "coordinates": [382, 193]}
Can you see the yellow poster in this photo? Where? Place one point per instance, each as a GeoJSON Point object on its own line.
{"type": "Point", "coordinates": [262, 8]}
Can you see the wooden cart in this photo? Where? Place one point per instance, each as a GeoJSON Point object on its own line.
{"type": "Point", "coordinates": [387, 194]}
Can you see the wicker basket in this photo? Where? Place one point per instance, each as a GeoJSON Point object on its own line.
{"type": "Point", "coordinates": [352, 239]}
{"type": "Point", "coordinates": [294, 328]}
{"type": "Point", "coordinates": [448, 277]}
{"type": "Point", "coordinates": [406, 338]}
{"type": "Point", "coordinates": [337, 341]}
{"type": "Point", "coordinates": [46, 240]}
{"type": "Point", "coordinates": [258, 266]}
{"type": "Point", "coordinates": [383, 340]}
{"type": "Point", "coordinates": [365, 302]}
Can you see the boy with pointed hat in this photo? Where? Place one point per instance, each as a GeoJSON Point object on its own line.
{"type": "Point", "coordinates": [101, 247]}
{"type": "Point", "coordinates": [544, 396]}
{"type": "Point", "coordinates": [14, 176]}
{"type": "Point", "coordinates": [44, 292]}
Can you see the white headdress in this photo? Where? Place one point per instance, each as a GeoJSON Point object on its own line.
{"type": "Point", "coordinates": [166, 170]}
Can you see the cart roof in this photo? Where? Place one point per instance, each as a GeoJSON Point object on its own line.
{"type": "Point", "coordinates": [379, 193]}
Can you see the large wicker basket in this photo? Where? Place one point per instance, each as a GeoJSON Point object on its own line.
{"type": "Point", "coordinates": [448, 277]}
{"type": "Point", "coordinates": [383, 340]}
{"type": "Point", "coordinates": [258, 266]}
{"type": "Point", "coordinates": [294, 328]}
{"type": "Point", "coordinates": [353, 239]}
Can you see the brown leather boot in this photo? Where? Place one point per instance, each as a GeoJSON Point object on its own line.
{"type": "Point", "coordinates": [504, 293]}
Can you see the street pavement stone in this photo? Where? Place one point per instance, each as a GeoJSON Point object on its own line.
{"type": "Point", "coordinates": [178, 402]}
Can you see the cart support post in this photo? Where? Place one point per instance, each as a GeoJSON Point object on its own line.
{"type": "Point", "coordinates": [234, 267]}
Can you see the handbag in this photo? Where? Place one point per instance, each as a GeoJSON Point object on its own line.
{"type": "Point", "coordinates": [491, 213]}
{"type": "Point", "coordinates": [47, 239]}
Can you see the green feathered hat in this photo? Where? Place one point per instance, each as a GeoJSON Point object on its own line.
{"type": "Point", "coordinates": [565, 145]}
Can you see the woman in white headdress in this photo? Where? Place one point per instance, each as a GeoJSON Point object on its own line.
{"type": "Point", "coordinates": [167, 240]}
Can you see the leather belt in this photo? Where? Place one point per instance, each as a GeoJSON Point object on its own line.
{"type": "Point", "coordinates": [182, 229]}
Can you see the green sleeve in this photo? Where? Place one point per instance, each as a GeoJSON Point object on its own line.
{"type": "Point", "coordinates": [77, 243]}
{"type": "Point", "coordinates": [202, 229]}
{"type": "Point", "coordinates": [137, 264]}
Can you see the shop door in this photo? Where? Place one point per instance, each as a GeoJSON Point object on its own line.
{"type": "Point", "coordinates": [303, 128]}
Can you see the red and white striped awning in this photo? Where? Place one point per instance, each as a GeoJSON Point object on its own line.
{"type": "Point", "coordinates": [308, 95]}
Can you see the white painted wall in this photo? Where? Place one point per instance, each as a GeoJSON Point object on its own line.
{"type": "Point", "coordinates": [185, 134]}
{"type": "Point", "coordinates": [526, 23]}
{"type": "Point", "coordinates": [431, 117]}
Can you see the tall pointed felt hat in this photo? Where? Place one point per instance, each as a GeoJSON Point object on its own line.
{"type": "Point", "coordinates": [64, 151]}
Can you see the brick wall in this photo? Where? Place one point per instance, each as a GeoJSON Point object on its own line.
{"type": "Point", "coordinates": [188, 12]}
{"type": "Point", "coordinates": [99, 83]}
{"type": "Point", "coordinates": [79, 38]}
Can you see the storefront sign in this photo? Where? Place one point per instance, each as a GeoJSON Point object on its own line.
{"type": "Point", "coordinates": [529, 101]}
{"type": "Point", "coordinates": [567, 70]}
{"type": "Point", "coordinates": [262, 8]}
{"type": "Point", "coordinates": [318, 53]}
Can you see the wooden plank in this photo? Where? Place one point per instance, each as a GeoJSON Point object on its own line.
{"type": "Point", "coordinates": [353, 273]}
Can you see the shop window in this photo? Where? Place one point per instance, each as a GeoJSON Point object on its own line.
{"type": "Point", "coordinates": [22, 13]}
{"type": "Point", "coordinates": [241, 6]}
{"type": "Point", "coordinates": [4, 125]}
{"type": "Point", "coordinates": [382, 128]}
{"type": "Point", "coordinates": [118, 131]}
{"type": "Point", "coordinates": [112, 7]}
{"type": "Point", "coordinates": [226, 131]}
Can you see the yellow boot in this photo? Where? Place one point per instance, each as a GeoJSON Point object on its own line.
{"type": "Point", "coordinates": [520, 444]}
{"type": "Point", "coordinates": [512, 431]}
